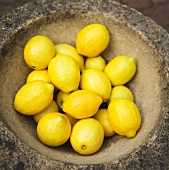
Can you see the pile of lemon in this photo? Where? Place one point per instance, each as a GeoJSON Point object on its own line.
{"type": "Point", "coordinates": [68, 87]}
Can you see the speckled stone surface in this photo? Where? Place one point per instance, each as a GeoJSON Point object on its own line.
{"type": "Point", "coordinates": [151, 152]}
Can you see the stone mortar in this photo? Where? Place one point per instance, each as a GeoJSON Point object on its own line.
{"type": "Point", "coordinates": [131, 34]}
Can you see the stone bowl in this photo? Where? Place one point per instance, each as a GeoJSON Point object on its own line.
{"type": "Point", "coordinates": [131, 34]}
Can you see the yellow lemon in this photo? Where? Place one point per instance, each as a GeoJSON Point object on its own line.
{"type": "Point", "coordinates": [97, 82]}
{"type": "Point", "coordinates": [82, 104]}
{"type": "Point", "coordinates": [102, 117]}
{"type": "Point", "coordinates": [38, 75]}
{"type": "Point", "coordinates": [71, 119]}
{"type": "Point", "coordinates": [61, 98]}
{"type": "Point", "coordinates": [38, 52]}
{"type": "Point", "coordinates": [95, 62]}
{"type": "Point", "coordinates": [54, 129]}
{"type": "Point", "coordinates": [33, 97]}
{"type": "Point", "coordinates": [120, 70]}
{"type": "Point", "coordinates": [92, 40]}
{"type": "Point", "coordinates": [64, 73]}
{"type": "Point", "coordinates": [121, 92]}
{"type": "Point", "coordinates": [72, 52]}
{"type": "Point", "coordinates": [53, 107]}
{"type": "Point", "coordinates": [124, 117]}
{"type": "Point", "coordinates": [87, 136]}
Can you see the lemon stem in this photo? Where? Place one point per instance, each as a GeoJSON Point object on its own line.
{"type": "Point", "coordinates": [83, 147]}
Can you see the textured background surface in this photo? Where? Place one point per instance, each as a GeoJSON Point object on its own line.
{"type": "Point", "coordinates": [155, 9]}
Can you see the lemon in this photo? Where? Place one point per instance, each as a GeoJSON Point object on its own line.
{"type": "Point", "coordinates": [72, 52]}
{"type": "Point", "coordinates": [97, 82]}
{"type": "Point", "coordinates": [102, 117]}
{"type": "Point", "coordinates": [121, 92]}
{"type": "Point", "coordinates": [95, 62]}
{"type": "Point", "coordinates": [71, 119]}
{"type": "Point", "coordinates": [92, 40]}
{"type": "Point", "coordinates": [64, 73]}
{"type": "Point", "coordinates": [61, 98]}
{"type": "Point", "coordinates": [38, 52]}
{"type": "Point", "coordinates": [124, 117]}
{"type": "Point", "coordinates": [82, 104]}
{"type": "Point", "coordinates": [121, 70]}
{"type": "Point", "coordinates": [54, 129]}
{"type": "Point", "coordinates": [38, 75]}
{"type": "Point", "coordinates": [33, 97]}
{"type": "Point", "coordinates": [53, 107]}
{"type": "Point", "coordinates": [87, 136]}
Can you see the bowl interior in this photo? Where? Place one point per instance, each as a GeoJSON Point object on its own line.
{"type": "Point", "coordinates": [63, 28]}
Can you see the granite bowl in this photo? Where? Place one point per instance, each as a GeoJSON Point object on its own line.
{"type": "Point", "coordinates": [131, 34]}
